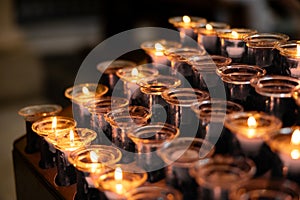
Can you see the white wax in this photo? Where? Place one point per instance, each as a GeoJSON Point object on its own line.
{"type": "Point", "coordinates": [293, 165]}
{"type": "Point", "coordinates": [250, 146]}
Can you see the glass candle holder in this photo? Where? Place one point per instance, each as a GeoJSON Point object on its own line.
{"type": "Point", "coordinates": [81, 94]}
{"type": "Point", "coordinates": [286, 146]}
{"type": "Point", "coordinates": [289, 55]}
{"type": "Point", "coordinates": [180, 155]}
{"type": "Point", "coordinates": [32, 114]}
{"type": "Point", "coordinates": [50, 128]}
{"type": "Point", "coordinates": [252, 129]}
{"type": "Point", "coordinates": [180, 113]}
{"type": "Point", "coordinates": [154, 192]}
{"type": "Point", "coordinates": [119, 179]}
{"type": "Point", "coordinates": [90, 162]}
{"type": "Point", "coordinates": [122, 121]}
{"type": "Point", "coordinates": [215, 176]}
{"type": "Point", "coordinates": [180, 67]}
{"type": "Point", "coordinates": [211, 114]}
{"type": "Point", "coordinates": [205, 72]}
{"type": "Point", "coordinates": [108, 70]}
{"type": "Point", "coordinates": [208, 37]}
{"type": "Point", "coordinates": [236, 80]}
{"type": "Point", "coordinates": [233, 45]}
{"type": "Point", "coordinates": [262, 188]}
{"type": "Point", "coordinates": [67, 142]}
{"type": "Point", "coordinates": [98, 108]}
{"type": "Point", "coordinates": [153, 87]}
{"type": "Point", "coordinates": [155, 49]}
{"type": "Point", "coordinates": [296, 97]}
{"type": "Point", "coordinates": [185, 25]}
{"type": "Point", "coordinates": [273, 95]}
{"type": "Point", "coordinates": [262, 52]}
{"type": "Point", "coordinates": [148, 140]}
{"type": "Point", "coordinates": [131, 76]}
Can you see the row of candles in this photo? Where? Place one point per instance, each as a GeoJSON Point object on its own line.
{"type": "Point", "coordinates": [216, 121]}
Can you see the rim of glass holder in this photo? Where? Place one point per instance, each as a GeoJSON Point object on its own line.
{"type": "Point", "coordinates": [280, 189]}
{"type": "Point", "coordinates": [175, 152]}
{"type": "Point", "coordinates": [149, 46]}
{"type": "Point", "coordinates": [240, 73]}
{"type": "Point", "coordinates": [35, 112]}
{"type": "Point", "coordinates": [178, 22]}
{"type": "Point", "coordinates": [267, 124]}
{"type": "Point", "coordinates": [289, 48]}
{"type": "Point", "coordinates": [184, 96]}
{"type": "Point", "coordinates": [43, 127]}
{"type": "Point", "coordinates": [156, 85]}
{"type": "Point", "coordinates": [208, 62]}
{"type": "Point", "coordinates": [129, 117]}
{"type": "Point", "coordinates": [94, 158]}
{"type": "Point", "coordinates": [112, 66]}
{"type": "Point", "coordinates": [275, 86]}
{"type": "Point", "coordinates": [96, 89]}
{"type": "Point", "coordinates": [103, 105]}
{"type": "Point", "coordinates": [220, 109]}
{"type": "Point", "coordinates": [144, 71]}
{"type": "Point", "coordinates": [182, 54]}
{"type": "Point", "coordinates": [130, 172]}
{"type": "Point", "coordinates": [154, 192]}
{"type": "Point", "coordinates": [154, 134]}
{"type": "Point", "coordinates": [242, 33]}
{"type": "Point", "coordinates": [215, 26]}
{"type": "Point", "coordinates": [204, 171]}
{"type": "Point", "coordinates": [265, 40]}
{"type": "Point", "coordinates": [82, 137]}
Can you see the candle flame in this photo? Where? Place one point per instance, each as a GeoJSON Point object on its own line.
{"type": "Point", "coordinates": [118, 179]}
{"type": "Point", "coordinates": [159, 49]}
{"type": "Point", "coordinates": [209, 27]}
{"type": "Point", "coordinates": [85, 90]}
{"type": "Point", "coordinates": [298, 49]}
{"type": "Point", "coordinates": [118, 174]}
{"type": "Point", "coordinates": [93, 156]}
{"type": "Point", "coordinates": [134, 72]}
{"type": "Point", "coordinates": [295, 154]}
{"type": "Point", "coordinates": [54, 123]}
{"type": "Point", "coordinates": [234, 34]}
{"type": "Point", "coordinates": [295, 140]}
{"type": "Point", "coordinates": [251, 122]}
{"type": "Point", "coordinates": [186, 19]}
{"type": "Point", "coordinates": [72, 137]}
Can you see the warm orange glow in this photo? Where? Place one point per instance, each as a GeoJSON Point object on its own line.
{"type": "Point", "coordinates": [85, 90]}
{"type": "Point", "coordinates": [295, 140]}
{"type": "Point", "coordinates": [72, 137]}
{"type": "Point", "coordinates": [158, 49]}
{"type": "Point", "coordinates": [295, 154]}
{"type": "Point", "coordinates": [298, 49]}
{"type": "Point", "coordinates": [234, 34]}
{"type": "Point", "coordinates": [209, 27]}
{"type": "Point", "coordinates": [54, 123]}
{"type": "Point", "coordinates": [186, 19]}
{"type": "Point", "coordinates": [134, 72]}
{"type": "Point", "coordinates": [118, 179]}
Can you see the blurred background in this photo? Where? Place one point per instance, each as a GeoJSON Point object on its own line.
{"type": "Point", "coordinates": [42, 44]}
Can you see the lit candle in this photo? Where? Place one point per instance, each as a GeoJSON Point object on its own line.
{"type": "Point", "coordinates": [116, 182]}
{"type": "Point", "coordinates": [186, 25]}
{"type": "Point", "coordinates": [287, 146]}
{"type": "Point", "coordinates": [233, 45]}
{"type": "Point", "coordinates": [90, 162]}
{"type": "Point", "coordinates": [79, 95]}
{"type": "Point", "coordinates": [208, 37]}
{"type": "Point", "coordinates": [155, 49]}
{"type": "Point", "coordinates": [252, 129]}
{"type": "Point", "coordinates": [131, 76]}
